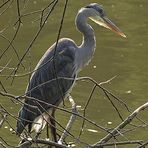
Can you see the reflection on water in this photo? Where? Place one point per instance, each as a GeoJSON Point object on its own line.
{"type": "Point", "coordinates": [124, 58]}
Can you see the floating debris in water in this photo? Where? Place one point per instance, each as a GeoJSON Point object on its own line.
{"type": "Point", "coordinates": [109, 122]}
{"type": "Point", "coordinates": [128, 92]}
{"type": "Point", "coordinates": [6, 127]}
{"type": "Point", "coordinates": [11, 129]}
{"type": "Point", "coordinates": [94, 66]}
{"type": "Point", "coordinates": [92, 130]}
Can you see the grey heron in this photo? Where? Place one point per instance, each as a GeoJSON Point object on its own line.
{"type": "Point", "coordinates": [44, 84]}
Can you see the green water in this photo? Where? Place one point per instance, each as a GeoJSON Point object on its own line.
{"type": "Point", "coordinates": [115, 56]}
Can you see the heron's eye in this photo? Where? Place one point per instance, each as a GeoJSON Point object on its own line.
{"type": "Point", "coordinates": [100, 11]}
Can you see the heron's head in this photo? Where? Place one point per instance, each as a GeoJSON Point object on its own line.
{"type": "Point", "coordinates": [98, 16]}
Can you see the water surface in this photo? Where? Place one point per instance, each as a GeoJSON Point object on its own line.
{"type": "Point", "coordinates": [115, 56]}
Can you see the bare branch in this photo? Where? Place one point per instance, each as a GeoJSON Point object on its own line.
{"type": "Point", "coordinates": [40, 141]}
{"type": "Point", "coordinates": [143, 145]}
{"type": "Point", "coordinates": [121, 126]}
{"type": "Point", "coordinates": [3, 119]}
{"type": "Point", "coordinates": [35, 37]}
{"type": "Point", "coordinates": [23, 12]}
{"type": "Point", "coordinates": [62, 109]}
{"type": "Point", "coordinates": [4, 3]}
{"type": "Point", "coordinates": [70, 122]}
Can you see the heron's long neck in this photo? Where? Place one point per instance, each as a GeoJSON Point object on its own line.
{"type": "Point", "coordinates": [86, 49]}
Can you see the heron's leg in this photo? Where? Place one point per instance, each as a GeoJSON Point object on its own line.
{"type": "Point", "coordinates": [37, 135]}
{"type": "Point", "coordinates": [47, 130]}
{"type": "Point", "coordinates": [70, 122]}
{"type": "Point", "coordinates": [52, 125]}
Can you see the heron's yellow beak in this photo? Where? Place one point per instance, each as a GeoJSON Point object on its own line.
{"type": "Point", "coordinates": [105, 22]}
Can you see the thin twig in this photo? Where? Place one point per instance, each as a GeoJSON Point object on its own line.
{"type": "Point", "coordinates": [120, 143]}
{"type": "Point", "coordinates": [11, 44]}
{"type": "Point", "coordinates": [35, 37]}
{"type": "Point", "coordinates": [5, 66]}
{"type": "Point", "coordinates": [6, 8]}
{"type": "Point", "coordinates": [50, 105]}
{"type": "Point", "coordinates": [4, 4]}
{"type": "Point", "coordinates": [14, 36]}
{"type": "Point", "coordinates": [121, 126]}
{"type": "Point", "coordinates": [143, 145]}
{"type": "Point", "coordinates": [55, 53]}
{"type": "Point", "coordinates": [40, 141]}
{"type": "Point", "coordinates": [3, 119]}
{"type": "Point", "coordinates": [85, 107]}
{"type": "Point", "coordinates": [70, 122]}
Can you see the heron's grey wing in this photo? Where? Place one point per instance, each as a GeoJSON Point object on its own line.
{"type": "Point", "coordinates": [44, 86]}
